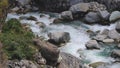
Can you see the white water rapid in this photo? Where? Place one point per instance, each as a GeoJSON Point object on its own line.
{"type": "Point", "coordinates": [77, 32]}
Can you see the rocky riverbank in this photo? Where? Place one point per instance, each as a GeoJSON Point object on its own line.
{"type": "Point", "coordinates": [84, 34]}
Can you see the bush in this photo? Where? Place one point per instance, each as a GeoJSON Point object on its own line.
{"type": "Point", "coordinates": [17, 41]}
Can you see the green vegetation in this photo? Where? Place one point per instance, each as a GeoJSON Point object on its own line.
{"type": "Point", "coordinates": [17, 42]}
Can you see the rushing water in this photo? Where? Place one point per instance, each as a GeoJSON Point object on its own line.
{"type": "Point", "coordinates": [78, 35]}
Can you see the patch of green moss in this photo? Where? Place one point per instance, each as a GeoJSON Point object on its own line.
{"type": "Point", "coordinates": [17, 41]}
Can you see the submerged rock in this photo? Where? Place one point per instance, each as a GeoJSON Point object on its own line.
{"type": "Point", "coordinates": [92, 44]}
{"type": "Point", "coordinates": [114, 16]}
{"type": "Point", "coordinates": [59, 37]}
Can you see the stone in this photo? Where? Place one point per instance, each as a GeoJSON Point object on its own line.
{"type": "Point", "coordinates": [67, 15]}
{"type": "Point", "coordinates": [118, 26]}
{"type": "Point", "coordinates": [39, 59]}
{"type": "Point", "coordinates": [108, 40]}
{"type": "Point", "coordinates": [105, 32]}
{"type": "Point", "coordinates": [32, 18]}
{"type": "Point", "coordinates": [100, 37]}
{"type": "Point", "coordinates": [115, 54]}
{"type": "Point", "coordinates": [96, 64]}
{"type": "Point", "coordinates": [92, 44]}
{"type": "Point", "coordinates": [114, 16]}
{"type": "Point", "coordinates": [113, 34]}
{"type": "Point", "coordinates": [104, 14]}
{"type": "Point", "coordinates": [48, 51]}
{"type": "Point", "coordinates": [80, 7]}
{"type": "Point", "coordinates": [66, 61]}
{"type": "Point", "coordinates": [57, 20]}
{"type": "Point", "coordinates": [59, 37]}
{"type": "Point", "coordinates": [92, 17]}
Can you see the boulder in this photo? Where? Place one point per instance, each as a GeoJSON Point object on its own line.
{"type": "Point", "coordinates": [80, 7]}
{"type": "Point", "coordinates": [39, 59]}
{"type": "Point", "coordinates": [67, 15]}
{"type": "Point", "coordinates": [104, 14]}
{"type": "Point", "coordinates": [100, 37]}
{"type": "Point", "coordinates": [114, 16]}
{"type": "Point", "coordinates": [32, 18]}
{"type": "Point", "coordinates": [92, 44]}
{"type": "Point", "coordinates": [59, 37]}
{"type": "Point", "coordinates": [48, 51]}
{"type": "Point", "coordinates": [66, 61]}
{"type": "Point", "coordinates": [108, 40]}
{"type": "Point", "coordinates": [113, 34]}
{"type": "Point", "coordinates": [115, 54]}
{"type": "Point", "coordinates": [96, 64]}
{"type": "Point", "coordinates": [118, 26]}
{"type": "Point", "coordinates": [92, 17]}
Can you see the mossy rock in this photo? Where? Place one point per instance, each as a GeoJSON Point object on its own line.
{"type": "Point", "coordinates": [96, 64]}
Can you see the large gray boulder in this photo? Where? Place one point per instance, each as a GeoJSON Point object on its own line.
{"type": "Point", "coordinates": [80, 7]}
{"type": "Point", "coordinates": [104, 14]}
{"type": "Point", "coordinates": [69, 61]}
{"type": "Point", "coordinates": [59, 37]}
{"type": "Point", "coordinates": [113, 34]}
{"type": "Point", "coordinates": [92, 44]}
{"type": "Point", "coordinates": [48, 51]}
{"type": "Point", "coordinates": [114, 16]}
{"type": "Point", "coordinates": [92, 17]}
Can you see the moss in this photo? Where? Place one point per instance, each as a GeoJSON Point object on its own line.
{"type": "Point", "coordinates": [17, 41]}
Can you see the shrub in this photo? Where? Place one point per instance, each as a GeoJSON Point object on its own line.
{"type": "Point", "coordinates": [17, 41]}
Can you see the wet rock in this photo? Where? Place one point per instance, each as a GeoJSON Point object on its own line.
{"type": "Point", "coordinates": [118, 26]}
{"type": "Point", "coordinates": [100, 37]}
{"type": "Point", "coordinates": [80, 7]}
{"type": "Point", "coordinates": [92, 44]}
{"type": "Point", "coordinates": [57, 20]}
{"type": "Point", "coordinates": [96, 64]}
{"type": "Point", "coordinates": [67, 15]}
{"type": "Point", "coordinates": [92, 17]}
{"type": "Point", "coordinates": [108, 40]}
{"type": "Point", "coordinates": [105, 32]}
{"type": "Point", "coordinates": [41, 24]}
{"type": "Point", "coordinates": [59, 37]}
{"type": "Point", "coordinates": [115, 54]}
{"type": "Point", "coordinates": [48, 51]}
{"type": "Point", "coordinates": [32, 18]}
{"type": "Point", "coordinates": [113, 34]}
{"type": "Point", "coordinates": [114, 16]}
{"type": "Point", "coordinates": [104, 14]}
{"type": "Point", "coordinates": [66, 61]}
{"type": "Point", "coordinates": [23, 17]}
